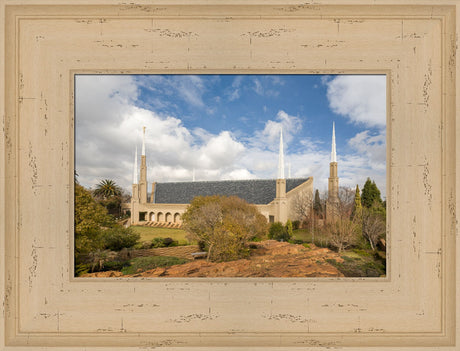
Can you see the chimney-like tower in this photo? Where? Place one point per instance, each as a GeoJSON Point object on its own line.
{"type": "Point", "coordinates": [281, 200]}
{"type": "Point", "coordinates": [143, 178]}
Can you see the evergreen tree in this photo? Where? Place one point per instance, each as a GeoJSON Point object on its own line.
{"type": "Point", "coordinates": [317, 204]}
{"type": "Point", "coordinates": [357, 211]}
{"type": "Point", "coordinates": [107, 188]}
{"type": "Point", "coordinates": [370, 196]}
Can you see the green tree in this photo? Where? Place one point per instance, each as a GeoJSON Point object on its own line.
{"type": "Point", "coordinates": [370, 196]}
{"type": "Point", "coordinates": [118, 237]}
{"type": "Point", "coordinates": [289, 228]}
{"type": "Point", "coordinates": [317, 206]}
{"type": "Point", "coordinates": [107, 188]}
{"type": "Point", "coordinates": [95, 230]}
{"type": "Point", "coordinates": [224, 224]}
{"type": "Point", "coordinates": [357, 211]}
{"type": "Point", "coordinates": [279, 232]}
{"type": "Point", "coordinates": [90, 217]}
{"type": "Point", "coordinates": [109, 195]}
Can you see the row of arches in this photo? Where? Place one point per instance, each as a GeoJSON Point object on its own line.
{"type": "Point", "coordinates": [165, 217]}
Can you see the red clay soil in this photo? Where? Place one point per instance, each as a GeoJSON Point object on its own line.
{"type": "Point", "coordinates": [268, 259]}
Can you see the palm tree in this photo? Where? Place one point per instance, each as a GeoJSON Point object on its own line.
{"type": "Point", "coordinates": [106, 189]}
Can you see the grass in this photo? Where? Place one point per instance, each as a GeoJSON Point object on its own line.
{"type": "Point", "coordinates": [359, 263]}
{"type": "Point", "coordinates": [306, 236]}
{"type": "Point", "coordinates": [141, 264]}
{"type": "Point", "coordinates": [149, 233]}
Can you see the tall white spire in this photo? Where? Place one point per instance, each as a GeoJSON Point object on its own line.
{"type": "Point", "coordinates": [135, 179]}
{"type": "Point", "coordinates": [281, 157]}
{"type": "Point", "coordinates": [333, 152]}
{"type": "Point", "coordinates": [143, 141]}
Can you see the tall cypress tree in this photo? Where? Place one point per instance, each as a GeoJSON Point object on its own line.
{"type": "Point", "coordinates": [370, 195]}
{"type": "Point", "coordinates": [357, 206]}
{"type": "Point", "coordinates": [317, 204]}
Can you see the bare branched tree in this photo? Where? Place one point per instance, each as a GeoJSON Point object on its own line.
{"type": "Point", "coordinates": [303, 205]}
{"type": "Point", "coordinates": [343, 232]}
{"type": "Point", "coordinates": [373, 226]}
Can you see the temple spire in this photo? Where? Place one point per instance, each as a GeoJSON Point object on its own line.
{"type": "Point", "coordinates": [135, 179]}
{"type": "Point", "coordinates": [333, 151]}
{"type": "Point", "coordinates": [143, 141]}
{"type": "Point", "coordinates": [281, 157]}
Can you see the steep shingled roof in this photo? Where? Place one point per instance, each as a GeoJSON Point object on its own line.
{"type": "Point", "coordinates": [254, 191]}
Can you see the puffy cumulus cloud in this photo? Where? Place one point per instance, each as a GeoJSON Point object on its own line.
{"type": "Point", "coordinates": [219, 151]}
{"type": "Point", "coordinates": [372, 147]}
{"type": "Point", "coordinates": [362, 98]}
{"type": "Point", "coordinates": [109, 127]}
{"type": "Point", "coordinates": [240, 173]}
{"type": "Point", "coordinates": [269, 137]}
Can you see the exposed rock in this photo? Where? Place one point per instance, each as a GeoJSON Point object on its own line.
{"type": "Point", "coordinates": [268, 259]}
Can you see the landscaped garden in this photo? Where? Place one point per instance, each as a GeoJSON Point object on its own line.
{"type": "Point", "coordinates": [234, 239]}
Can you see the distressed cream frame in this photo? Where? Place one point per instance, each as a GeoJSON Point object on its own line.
{"type": "Point", "coordinates": [44, 43]}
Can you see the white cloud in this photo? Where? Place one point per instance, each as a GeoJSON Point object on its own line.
{"type": "Point", "coordinates": [189, 88]}
{"type": "Point", "coordinates": [258, 86]}
{"type": "Point", "coordinates": [373, 147]}
{"type": "Point", "coordinates": [361, 99]}
{"type": "Point", "coordinates": [219, 151]}
{"type": "Point", "coordinates": [269, 136]}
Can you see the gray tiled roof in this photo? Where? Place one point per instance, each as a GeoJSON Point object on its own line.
{"type": "Point", "coordinates": [254, 191]}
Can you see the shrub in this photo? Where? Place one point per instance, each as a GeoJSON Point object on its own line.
{"type": "Point", "coordinates": [151, 262]}
{"type": "Point", "coordinates": [202, 245]}
{"type": "Point", "coordinates": [224, 224]}
{"type": "Point", "coordinates": [157, 242]}
{"type": "Point", "coordinates": [278, 232]}
{"type": "Point", "coordinates": [289, 228]}
{"type": "Point", "coordinates": [118, 237]}
{"type": "Point", "coordinates": [296, 224]}
{"type": "Point", "coordinates": [169, 242]}
{"type": "Point", "coordinates": [114, 265]}
{"type": "Point", "coordinates": [81, 268]}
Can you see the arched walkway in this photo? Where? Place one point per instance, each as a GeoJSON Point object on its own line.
{"type": "Point", "coordinates": [177, 218]}
{"type": "Point", "coordinates": [168, 217]}
{"type": "Point", "coordinates": [152, 217]}
{"type": "Point", "coordinates": [160, 217]}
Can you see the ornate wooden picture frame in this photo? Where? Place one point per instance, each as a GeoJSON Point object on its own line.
{"type": "Point", "coordinates": [45, 43]}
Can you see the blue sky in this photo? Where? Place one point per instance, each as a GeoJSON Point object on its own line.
{"type": "Point", "coordinates": [227, 126]}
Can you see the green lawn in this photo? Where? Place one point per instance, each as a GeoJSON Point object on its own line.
{"type": "Point", "coordinates": [306, 236]}
{"type": "Point", "coordinates": [148, 233]}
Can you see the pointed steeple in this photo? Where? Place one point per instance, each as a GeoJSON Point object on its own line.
{"type": "Point", "coordinates": [143, 141]}
{"type": "Point", "coordinates": [135, 178]}
{"type": "Point", "coordinates": [333, 151]}
{"type": "Point", "coordinates": [281, 157]}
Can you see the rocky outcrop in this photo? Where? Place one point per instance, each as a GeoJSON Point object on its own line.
{"type": "Point", "coordinates": [268, 259]}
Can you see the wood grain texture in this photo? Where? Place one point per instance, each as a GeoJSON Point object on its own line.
{"type": "Point", "coordinates": [47, 42]}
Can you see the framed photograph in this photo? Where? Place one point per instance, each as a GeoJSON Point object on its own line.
{"type": "Point", "coordinates": [48, 46]}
